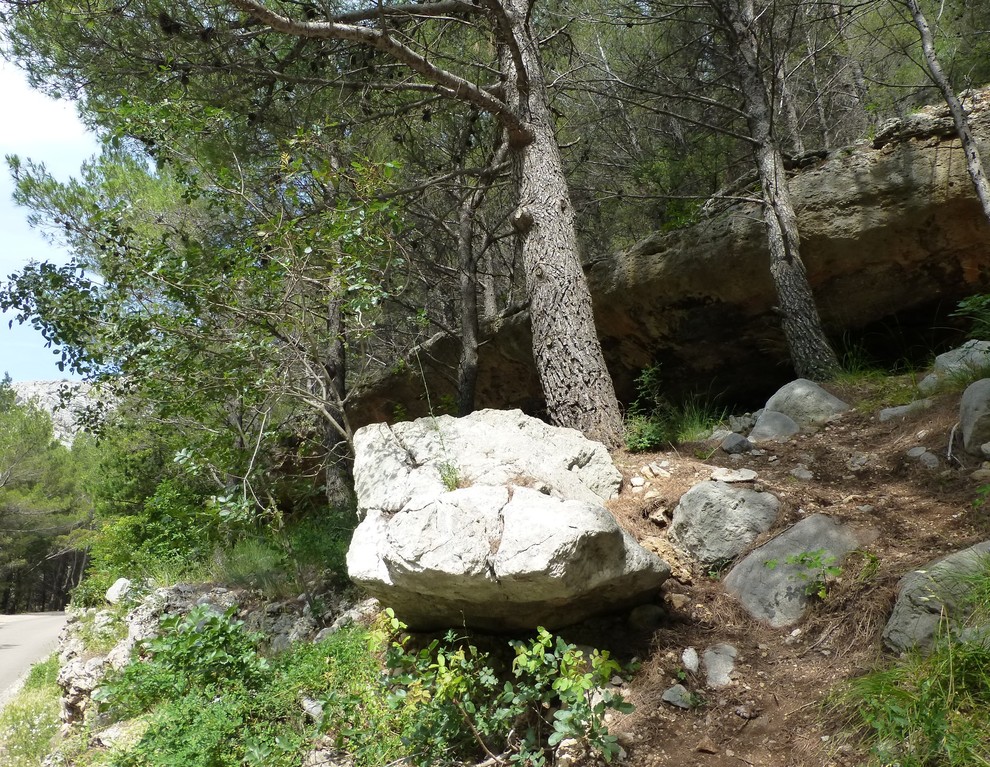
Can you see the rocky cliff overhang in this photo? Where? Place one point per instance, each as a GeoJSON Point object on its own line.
{"type": "Point", "coordinates": [891, 233]}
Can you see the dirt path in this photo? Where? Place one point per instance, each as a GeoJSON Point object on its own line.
{"type": "Point", "coordinates": [771, 715]}
{"type": "Point", "coordinates": [24, 640]}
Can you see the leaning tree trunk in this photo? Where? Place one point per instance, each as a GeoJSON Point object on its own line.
{"type": "Point", "coordinates": [577, 385]}
{"type": "Point", "coordinates": [811, 353]}
{"type": "Point", "coordinates": [974, 163]}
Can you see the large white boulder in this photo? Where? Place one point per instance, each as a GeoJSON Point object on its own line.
{"type": "Point", "coordinates": [408, 464]}
{"type": "Point", "coordinates": [492, 521]}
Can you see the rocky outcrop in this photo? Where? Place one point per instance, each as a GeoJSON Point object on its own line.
{"type": "Point", "coordinates": [68, 403]}
{"type": "Point", "coordinates": [493, 521]}
{"type": "Point", "coordinates": [892, 230]}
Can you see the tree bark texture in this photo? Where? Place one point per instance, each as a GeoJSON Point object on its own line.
{"type": "Point", "coordinates": [568, 354]}
{"type": "Point", "coordinates": [467, 371]}
{"type": "Point", "coordinates": [974, 163]}
{"type": "Point", "coordinates": [811, 353]}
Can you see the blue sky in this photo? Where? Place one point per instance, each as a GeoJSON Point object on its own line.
{"type": "Point", "coordinates": [35, 127]}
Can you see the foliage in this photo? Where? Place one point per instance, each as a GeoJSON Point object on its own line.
{"type": "Point", "coordinates": [925, 710]}
{"type": "Point", "coordinates": [214, 702]}
{"type": "Point", "coordinates": [816, 569]}
{"type": "Point", "coordinates": [457, 706]}
{"type": "Point", "coordinates": [44, 501]}
{"type": "Point", "coordinates": [29, 723]}
{"type": "Point", "coordinates": [654, 422]}
{"type": "Point", "coordinates": [200, 649]}
{"type": "Point", "coordinates": [976, 309]}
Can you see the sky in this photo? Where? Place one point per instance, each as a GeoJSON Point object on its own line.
{"type": "Point", "coordinates": [36, 127]}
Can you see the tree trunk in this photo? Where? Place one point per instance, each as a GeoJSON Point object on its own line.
{"type": "Point", "coordinates": [467, 372]}
{"type": "Point", "coordinates": [568, 354]}
{"type": "Point", "coordinates": [338, 469]}
{"type": "Point", "coordinates": [974, 163]}
{"type": "Point", "coordinates": [811, 354]}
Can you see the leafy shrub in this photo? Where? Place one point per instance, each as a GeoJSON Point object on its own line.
{"type": "Point", "coordinates": [977, 310]}
{"type": "Point", "coordinates": [654, 422]}
{"type": "Point", "coordinates": [201, 649]}
{"type": "Point", "coordinates": [456, 706]}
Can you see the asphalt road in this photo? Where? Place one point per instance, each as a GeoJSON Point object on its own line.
{"type": "Point", "coordinates": [24, 640]}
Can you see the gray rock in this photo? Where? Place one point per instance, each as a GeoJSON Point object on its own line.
{"type": "Point", "coordinates": [407, 465]}
{"type": "Point", "coordinates": [501, 558]}
{"type": "Point", "coordinates": [719, 661]}
{"type": "Point", "coordinates": [118, 591]}
{"type": "Point", "coordinates": [806, 403]}
{"type": "Point", "coordinates": [741, 423]}
{"type": "Point", "coordinates": [363, 612]}
{"type": "Point", "coordinates": [647, 617]}
{"type": "Point", "coordinates": [731, 476]}
{"type": "Point", "coordinates": [775, 591]}
{"type": "Point", "coordinates": [772, 425]}
{"type": "Point", "coordinates": [936, 592]}
{"type": "Point", "coordinates": [974, 416]}
{"type": "Point", "coordinates": [735, 444]}
{"type": "Point", "coordinates": [715, 521]}
{"type": "Point", "coordinates": [902, 411]}
{"type": "Point", "coordinates": [929, 460]}
{"type": "Point", "coordinates": [972, 356]}
{"type": "Point", "coordinates": [77, 680]}
{"type": "Point", "coordinates": [690, 660]}
{"type": "Point", "coordinates": [802, 473]}
{"type": "Point", "coordinates": [679, 696]}
{"type": "Point", "coordinates": [916, 452]}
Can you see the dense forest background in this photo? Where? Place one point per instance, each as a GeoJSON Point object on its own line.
{"type": "Point", "coordinates": [293, 197]}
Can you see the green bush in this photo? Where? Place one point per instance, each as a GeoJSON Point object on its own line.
{"type": "Point", "coordinates": [456, 707]}
{"type": "Point", "coordinates": [654, 422]}
{"type": "Point", "coordinates": [926, 710]}
{"type": "Point", "coordinates": [201, 649]}
{"type": "Point", "coordinates": [977, 310]}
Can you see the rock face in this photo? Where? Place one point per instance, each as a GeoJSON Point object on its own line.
{"type": "Point", "coordinates": [65, 401]}
{"type": "Point", "coordinates": [524, 542]}
{"type": "Point", "coordinates": [887, 230]}
{"type": "Point", "coordinates": [931, 594]}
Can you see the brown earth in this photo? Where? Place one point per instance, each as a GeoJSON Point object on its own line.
{"type": "Point", "coordinates": [772, 715]}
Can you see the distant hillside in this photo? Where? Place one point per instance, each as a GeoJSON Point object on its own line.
{"type": "Point", "coordinates": [64, 400]}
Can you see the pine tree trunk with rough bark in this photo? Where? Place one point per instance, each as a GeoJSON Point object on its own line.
{"type": "Point", "coordinates": [577, 385]}
{"type": "Point", "coordinates": [811, 353]}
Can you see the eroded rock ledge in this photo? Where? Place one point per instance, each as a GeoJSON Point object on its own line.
{"type": "Point", "coordinates": [891, 232]}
